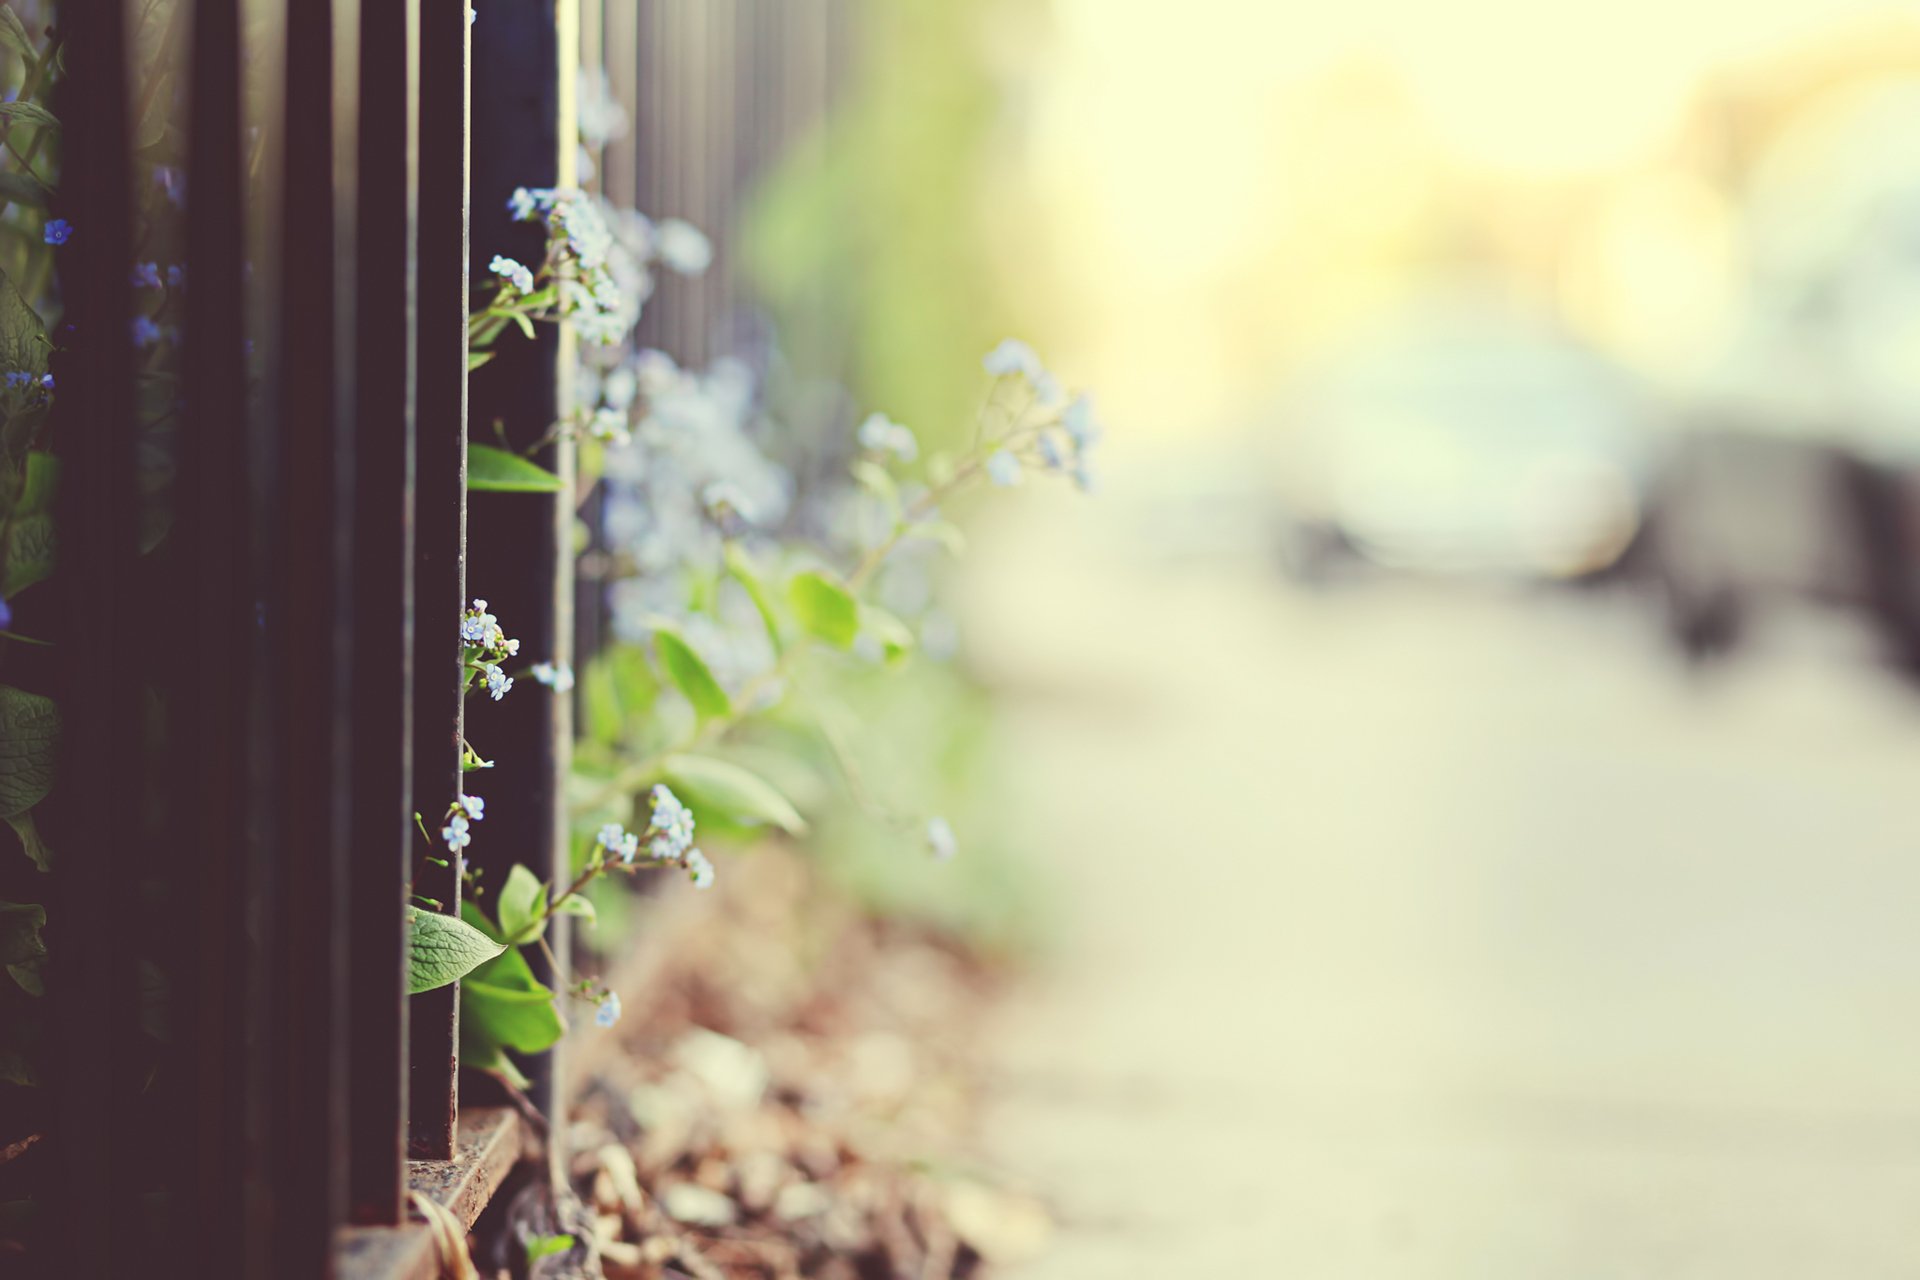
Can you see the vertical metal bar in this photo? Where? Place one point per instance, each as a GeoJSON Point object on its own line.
{"type": "Point", "coordinates": [524, 54]}
{"type": "Point", "coordinates": [622, 66]}
{"type": "Point", "coordinates": [440, 545]}
{"type": "Point", "coordinates": [90, 982]}
{"type": "Point", "coordinates": [385, 843]}
{"type": "Point", "coordinates": [308, 688]}
{"type": "Point", "coordinates": [207, 718]}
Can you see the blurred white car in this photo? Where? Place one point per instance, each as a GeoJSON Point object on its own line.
{"type": "Point", "coordinates": [1464, 437]}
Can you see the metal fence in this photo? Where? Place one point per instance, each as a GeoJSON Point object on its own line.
{"type": "Point", "coordinates": [256, 704]}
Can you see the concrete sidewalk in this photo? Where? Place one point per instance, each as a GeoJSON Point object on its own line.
{"type": "Point", "coordinates": [1447, 933]}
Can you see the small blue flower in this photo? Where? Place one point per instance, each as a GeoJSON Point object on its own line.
{"type": "Point", "coordinates": [670, 834]}
{"type": "Point", "coordinates": [1079, 422]}
{"type": "Point", "coordinates": [176, 275]}
{"type": "Point", "coordinates": [455, 833]}
{"type": "Point", "coordinates": [556, 676]}
{"type": "Point", "coordinates": [940, 838]}
{"type": "Point", "coordinates": [498, 681]}
{"type": "Point", "coordinates": [6, 615]}
{"type": "Point", "coordinates": [699, 870]}
{"type": "Point", "coordinates": [1003, 468]}
{"type": "Point", "coordinates": [476, 624]}
{"type": "Point", "coordinates": [172, 183]}
{"type": "Point", "coordinates": [609, 1011]}
{"type": "Point", "coordinates": [527, 203]}
{"type": "Point", "coordinates": [146, 275]}
{"type": "Point", "coordinates": [146, 332]}
{"type": "Point", "coordinates": [474, 806]}
{"type": "Point", "coordinates": [57, 231]}
{"type": "Point", "coordinates": [881, 434]}
{"type": "Point", "coordinates": [47, 382]}
{"type": "Point", "coordinates": [512, 272]}
{"type": "Point", "coordinates": [1050, 452]}
{"type": "Point", "coordinates": [1013, 356]}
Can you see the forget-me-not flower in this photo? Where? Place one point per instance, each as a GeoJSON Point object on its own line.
{"type": "Point", "coordinates": [513, 272]}
{"type": "Point", "coordinates": [1013, 356]}
{"type": "Point", "coordinates": [1003, 468]}
{"type": "Point", "coordinates": [57, 231]}
{"type": "Point", "coordinates": [609, 1011]}
{"type": "Point", "coordinates": [557, 676]}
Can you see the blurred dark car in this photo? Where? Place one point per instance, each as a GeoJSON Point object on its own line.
{"type": "Point", "coordinates": [1797, 475]}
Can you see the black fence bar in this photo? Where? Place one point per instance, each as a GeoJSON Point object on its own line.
{"type": "Point", "coordinates": [440, 531]}
{"type": "Point", "coordinates": [520, 542]}
{"type": "Point", "coordinates": [385, 844]}
{"type": "Point", "coordinates": [309, 689]}
{"type": "Point", "coordinates": [208, 561]}
{"type": "Point", "coordinates": [90, 981]}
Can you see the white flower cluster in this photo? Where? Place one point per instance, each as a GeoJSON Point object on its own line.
{"type": "Point", "coordinates": [460, 814]}
{"type": "Point", "coordinates": [481, 633]}
{"type": "Point", "coordinates": [880, 434]}
{"type": "Point", "coordinates": [1062, 441]}
{"type": "Point", "coordinates": [601, 256]}
{"type": "Point", "coordinates": [668, 838]}
{"type": "Point", "coordinates": [557, 676]}
{"type": "Point", "coordinates": [516, 274]}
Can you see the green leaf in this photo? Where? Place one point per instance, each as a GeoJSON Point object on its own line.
{"type": "Point", "coordinates": [21, 949]}
{"type": "Point", "coordinates": [740, 566]}
{"type": "Point", "coordinates": [43, 474]}
{"type": "Point", "coordinates": [477, 358]}
{"type": "Point", "coordinates": [686, 669]}
{"type": "Point", "coordinates": [29, 732]}
{"type": "Point", "coordinates": [483, 1054]}
{"type": "Point", "coordinates": [517, 1014]}
{"type": "Point", "coordinates": [22, 824]}
{"type": "Point", "coordinates": [29, 557]}
{"type": "Point", "coordinates": [874, 478]}
{"type": "Point", "coordinates": [23, 190]}
{"type": "Point", "coordinates": [735, 792]}
{"type": "Point", "coordinates": [519, 906]}
{"type": "Point", "coordinates": [23, 336]}
{"type": "Point", "coordinates": [13, 34]}
{"type": "Point", "coordinates": [491, 470]}
{"type": "Point", "coordinates": [502, 1003]}
{"type": "Point", "coordinates": [13, 113]}
{"type": "Point", "coordinates": [895, 637]}
{"type": "Point", "coordinates": [825, 608]}
{"type": "Point", "coordinates": [578, 905]}
{"type": "Point", "coordinates": [546, 1246]}
{"type": "Point", "coordinates": [443, 949]}
{"type": "Point", "coordinates": [947, 535]}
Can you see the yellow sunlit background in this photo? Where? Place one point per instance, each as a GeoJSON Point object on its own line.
{"type": "Point", "coordinates": [1470, 741]}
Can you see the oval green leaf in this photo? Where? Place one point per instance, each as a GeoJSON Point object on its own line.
{"type": "Point", "coordinates": [29, 732]}
{"type": "Point", "coordinates": [894, 636]}
{"type": "Point", "coordinates": [491, 470]}
{"type": "Point", "coordinates": [519, 906]}
{"type": "Point", "coordinates": [738, 793]}
{"type": "Point", "coordinates": [443, 949]}
{"type": "Point", "coordinates": [686, 669]}
{"type": "Point", "coordinates": [825, 608]}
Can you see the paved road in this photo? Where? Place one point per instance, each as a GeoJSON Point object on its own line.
{"type": "Point", "coordinates": [1429, 933]}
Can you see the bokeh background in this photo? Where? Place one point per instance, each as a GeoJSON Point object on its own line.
{"type": "Point", "coordinates": [1459, 770]}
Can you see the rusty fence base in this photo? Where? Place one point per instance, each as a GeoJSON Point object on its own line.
{"type": "Point", "coordinates": [489, 1142]}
